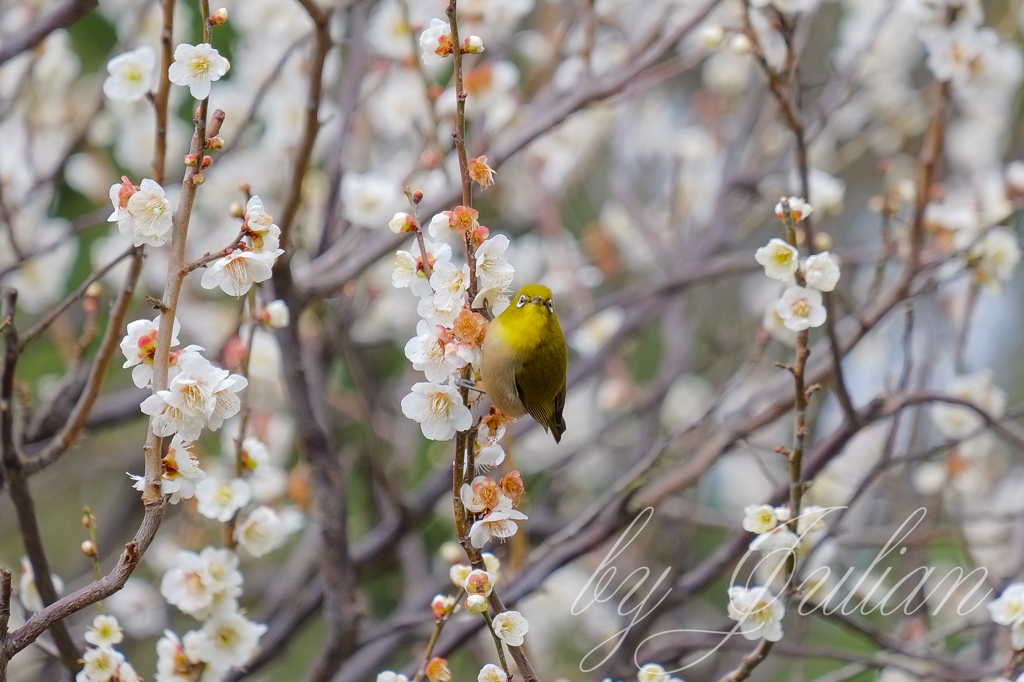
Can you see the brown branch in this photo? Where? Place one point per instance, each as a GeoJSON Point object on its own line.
{"type": "Point", "coordinates": [17, 485]}
{"type": "Point", "coordinates": [92, 593]}
{"type": "Point", "coordinates": [749, 662]}
{"type": "Point", "coordinates": [60, 443]}
{"type": "Point", "coordinates": [65, 15]}
{"type": "Point", "coordinates": [51, 316]}
{"type": "Point", "coordinates": [311, 127]}
{"type": "Point", "coordinates": [210, 257]}
{"type": "Point", "coordinates": [163, 93]}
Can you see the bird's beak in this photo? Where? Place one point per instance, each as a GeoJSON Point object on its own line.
{"type": "Point", "coordinates": [538, 300]}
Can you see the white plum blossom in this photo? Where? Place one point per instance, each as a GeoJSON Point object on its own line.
{"type": "Point", "coordinates": [266, 236]}
{"type": "Point", "coordinates": [959, 421]}
{"type": "Point", "coordinates": [181, 472]}
{"type": "Point", "coordinates": [652, 672]}
{"type": "Point", "coordinates": [511, 627]}
{"type": "Point", "coordinates": [227, 404]}
{"type": "Point", "coordinates": [798, 208]}
{"type": "Point", "coordinates": [229, 640]}
{"type": "Point", "coordinates": [997, 255]}
{"type": "Point", "coordinates": [261, 532]}
{"type": "Point", "coordinates": [369, 199]}
{"type": "Point", "coordinates": [430, 353]}
{"type": "Point", "coordinates": [758, 611]}
{"type": "Point", "coordinates": [199, 394]}
{"type": "Point", "coordinates": [440, 226]}
{"type": "Point", "coordinates": [409, 272]}
{"type": "Point", "coordinates": [1008, 609]}
{"type": "Point", "coordinates": [220, 500]}
{"type": "Point", "coordinates": [493, 271]}
{"type": "Point", "coordinates": [236, 272]}
{"type": "Point", "coordinates": [104, 631]}
{"type": "Point", "coordinates": [953, 50]}
{"type": "Point", "coordinates": [401, 222]}
{"type": "Point", "coordinates": [801, 308]}
{"type": "Point", "coordinates": [490, 455]}
{"type": "Point", "coordinates": [139, 348]}
{"type": "Point", "coordinates": [438, 410]}
{"type": "Point", "coordinates": [449, 284]}
{"type": "Point", "coordinates": [28, 593]}
{"type": "Point", "coordinates": [436, 42]}
{"type": "Point", "coordinates": [821, 271]}
{"type": "Point", "coordinates": [100, 664]}
{"type": "Point", "coordinates": [499, 523]}
{"type": "Point", "coordinates": [759, 518]}
{"type": "Point", "coordinates": [131, 75]}
{"type": "Point", "coordinates": [189, 585]}
{"type": "Point", "coordinates": [491, 673]}
{"type": "Point", "coordinates": [144, 214]}
{"type": "Point", "coordinates": [391, 676]}
{"type": "Point", "coordinates": [780, 259]}
{"type": "Point", "coordinates": [176, 662]}
{"type": "Point", "coordinates": [778, 539]}
{"type": "Point", "coordinates": [473, 498]}
{"type": "Point", "coordinates": [276, 315]}
{"type": "Point", "coordinates": [196, 66]}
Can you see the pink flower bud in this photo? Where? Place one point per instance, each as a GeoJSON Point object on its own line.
{"type": "Point", "coordinates": [220, 17]}
{"type": "Point", "coordinates": [215, 142]}
{"type": "Point", "coordinates": [191, 160]}
{"type": "Point", "coordinates": [207, 162]}
{"type": "Point", "coordinates": [198, 179]}
{"type": "Point", "coordinates": [441, 605]}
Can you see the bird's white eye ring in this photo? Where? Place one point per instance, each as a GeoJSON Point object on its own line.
{"type": "Point", "coordinates": [521, 302]}
{"type": "Point", "coordinates": [550, 305]}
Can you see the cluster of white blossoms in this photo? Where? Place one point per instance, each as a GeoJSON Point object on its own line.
{"type": "Point", "coordinates": [247, 264]}
{"type": "Point", "coordinates": [800, 306]}
{"type": "Point", "coordinates": [195, 67]}
{"type": "Point", "coordinates": [206, 586]}
{"type": "Point", "coordinates": [759, 613]}
{"type": "Point", "coordinates": [199, 395]}
{"type": "Point", "coordinates": [450, 335]}
{"type": "Point", "coordinates": [772, 527]}
{"type": "Point", "coordinates": [143, 213]}
{"type": "Point", "coordinates": [1008, 609]}
{"type": "Point", "coordinates": [436, 42]}
{"type": "Point", "coordinates": [102, 662]}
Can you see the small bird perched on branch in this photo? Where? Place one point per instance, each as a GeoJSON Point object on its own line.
{"type": "Point", "coordinates": [524, 360]}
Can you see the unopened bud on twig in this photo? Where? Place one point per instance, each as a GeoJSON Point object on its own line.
{"type": "Point", "coordinates": [237, 210]}
{"type": "Point", "coordinates": [88, 548]}
{"type": "Point", "coordinates": [198, 179]}
{"type": "Point", "coordinates": [220, 17]}
{"type": "Point", "coordinates": [207, 162]}
{"type": "Point", "coordinates": [417, 196]}
{"type": "Point", "coordinates": [215, 142]}
{"type": "Point", "coordinates": [191, 160]}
